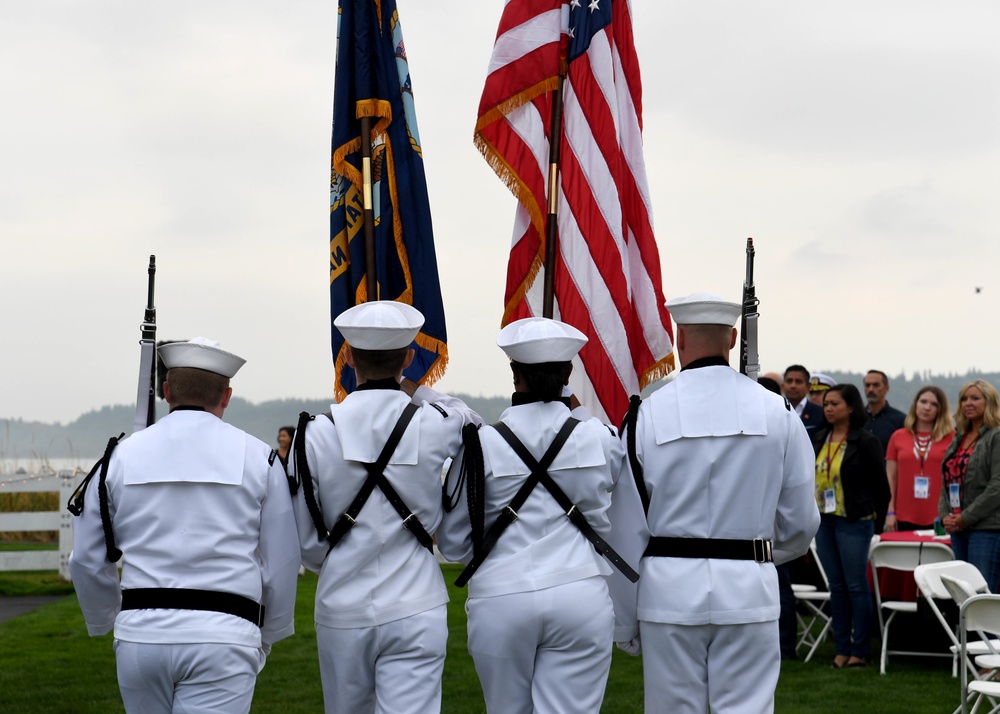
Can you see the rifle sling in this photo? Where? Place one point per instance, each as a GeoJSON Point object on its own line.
{"type": "Point", "coordinates": [76, 500]}
{"type": "Point", "coordinates": [629, 424]}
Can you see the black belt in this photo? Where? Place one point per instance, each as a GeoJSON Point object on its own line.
{"type": "Point", "coordinates": [185, 599]}
{"type": "Point", "coordinates": [758, 549]}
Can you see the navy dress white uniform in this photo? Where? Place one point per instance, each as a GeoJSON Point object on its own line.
{"type": "Point", "coordinates": [540, 618]}
{"type": "Point", "coordinates": [728, 469]}
{"type": "Point", "coordinates": [202, 514]}
{"type": "Point", "coordinates": [381, 615]}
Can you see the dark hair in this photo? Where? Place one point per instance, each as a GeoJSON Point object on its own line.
{"type": "Point", "coordinates": [290, 430]}
{"type": "Point", "coordinates": [193, 387]}
{"type": "Point", "coordinates": [545, 380]}
{"type": "Point", "coordinates": [769, 384]}
{"type": "Point", "coordinates": [880, 373]}
{"type": "Point", "coordinates": [852, 398]}
{"type": "Point", "coordinates": [378, 364]}
{"type": "Point", "coordinates": [797, 368]}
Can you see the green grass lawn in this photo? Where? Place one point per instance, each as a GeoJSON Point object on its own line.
{"type": "Point", "coordinates": [7, 545]}
{"type": "Point", "coordinates": [48, 665]}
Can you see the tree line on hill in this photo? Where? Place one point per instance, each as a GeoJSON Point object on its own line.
{"type": "Point", "coordinates": [86, 437]}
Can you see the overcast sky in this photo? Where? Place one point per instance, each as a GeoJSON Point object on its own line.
{"type": "Point", "coordinates": [857, 142]}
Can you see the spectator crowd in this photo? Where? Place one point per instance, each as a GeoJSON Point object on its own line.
{"type": "Point", "coordinates": [879, 469]}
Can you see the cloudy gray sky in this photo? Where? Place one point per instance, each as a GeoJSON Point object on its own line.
{"type": "Point", "coordinates": [857, 142]}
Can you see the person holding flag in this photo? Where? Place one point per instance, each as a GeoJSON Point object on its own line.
{"type": "Point", "coordinates": [366, 479]}
{"type": "Point", "coordinates": [532, 510]}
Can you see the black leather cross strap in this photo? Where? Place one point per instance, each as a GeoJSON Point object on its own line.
{"type": "Point", "coordinates": [539, 474]}
{"type": "Point", "coordinates": [376, 477]}
{"type": "Point", "coordinates": [757, 549]}
{"type": "Point", "coordinates": [187, 599]}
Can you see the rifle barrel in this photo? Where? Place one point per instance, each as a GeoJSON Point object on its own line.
{"type": "Point", "coordinates": [145, 404]}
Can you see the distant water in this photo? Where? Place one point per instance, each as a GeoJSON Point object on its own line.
{"type": "Point", "coordinates": [11, 468]}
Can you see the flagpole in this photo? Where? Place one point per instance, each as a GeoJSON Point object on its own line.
{"type": "Point", "coordinates": [371, 281]}
{"type": "Point", "coordinates": [552, 218]}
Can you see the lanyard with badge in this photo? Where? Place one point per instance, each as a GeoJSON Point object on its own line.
{"type": "Point", "coordinates": [959, 466]}
{"type": "Point", "coordinates": [921, 484]}
{"type": "Point", "coordinates": [830, 494]}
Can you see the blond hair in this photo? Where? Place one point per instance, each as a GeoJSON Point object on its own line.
{"type": "Point", "coordinates": [991, 417]}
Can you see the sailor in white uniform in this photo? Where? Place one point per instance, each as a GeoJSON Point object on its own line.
{"type": "Point", "coordinates": [369, 496]}
{"type": "Point", "coordinates": [728, 471]}
{"type": "Point", "coordinates": [201, 512]}
{"type": "Point", "coordinates": [540, 619]}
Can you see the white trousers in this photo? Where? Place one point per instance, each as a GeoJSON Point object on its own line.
{"type": "Point", "coordinates": [393, 668]}
{"type": "Point", "coordinates": [187, 679]}
{"type": "Point", "coordinates": [544, 651]}
{"type": "Point", "coordinates": [689, 669]}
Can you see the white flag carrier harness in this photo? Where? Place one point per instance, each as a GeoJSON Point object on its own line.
{"type": "Point", "coordinates": [539, 475]}
{"type": "Point", "coordinates": [376, 477]}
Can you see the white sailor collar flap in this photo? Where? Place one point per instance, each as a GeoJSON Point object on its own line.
{"type": "Point", "coordinates": [364, 421]}
{"type": "Point", "coordinates": [577, 453]}
{"type": "Point", "coordinates": [708, 401]}
{"type": "Point", "coordinates": [185, 446]}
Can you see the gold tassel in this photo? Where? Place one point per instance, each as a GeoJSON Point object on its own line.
{"type": "Point", "coordinates": [657, 371]}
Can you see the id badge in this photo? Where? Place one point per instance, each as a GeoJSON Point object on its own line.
{"type": "Point", "coordinates": [829, 501]}
{"type": "Point", "coordinates": [954, 495]}
{"type": "Point", "coordinates": [921, 487]}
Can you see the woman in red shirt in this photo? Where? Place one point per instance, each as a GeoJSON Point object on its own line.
{"type": "Point", "coordinates": [913, 461]}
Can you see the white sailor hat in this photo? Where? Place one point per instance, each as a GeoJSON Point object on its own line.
{"type": "Point", "coordinates": [704, 309]}
{"type": "Point", "coordinates": [380, 325]}
{"type": "Point", "coordinates": [200, 353]}
{"type": "Point", "coordinates": [535, 340]}
{"type": "Point", "coordinates": [821, 382]}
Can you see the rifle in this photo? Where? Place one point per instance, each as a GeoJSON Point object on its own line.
{"type": "Point", "coordinates": [145, 398]}
{"type": "Point", "coordinates": [749, 359]}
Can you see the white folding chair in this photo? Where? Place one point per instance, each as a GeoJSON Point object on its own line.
{"type": "Point", "coordinates": [902, 556]}
{"type": "Point", "coordinates": [979, 614]}
{"type": "Point", "coordinates": [815, 625]}
{"type": "Point", "coordinates": [985, 653]}
{"type": "Point", "coordinates": [957, 580]}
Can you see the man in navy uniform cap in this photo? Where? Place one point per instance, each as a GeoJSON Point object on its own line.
{"type": "Point", "coordinates": [369, 498]}
{"type": "Point", "coordinates": [728, 472]}
{"type": "Point", "coordinates": [201, 512]}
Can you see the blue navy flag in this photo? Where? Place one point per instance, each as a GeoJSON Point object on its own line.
{"type": "Point", "coordinates": [373, 80]}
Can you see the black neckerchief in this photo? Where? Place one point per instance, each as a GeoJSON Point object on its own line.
{"type": "Point", "coordinates": [187, 408]}
{"type": "Point", "coordinates": [387, 383]}
{"type": "Point", "coordinates": [706, 362]}
{"type": "Point", "coordinates": [520, 398]}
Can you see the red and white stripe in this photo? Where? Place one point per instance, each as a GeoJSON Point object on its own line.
{"type": "Point", "coordinates": [608, 281]}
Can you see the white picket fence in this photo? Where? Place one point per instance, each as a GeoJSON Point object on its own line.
{"type": "Point", "coordinates": [61, 520]}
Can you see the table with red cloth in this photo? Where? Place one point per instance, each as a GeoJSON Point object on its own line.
{"type": "Point", "coordinates": [897, 584]}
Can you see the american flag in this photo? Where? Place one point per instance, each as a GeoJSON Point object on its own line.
{"type": "Point", "coordinates": [607, 272]}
